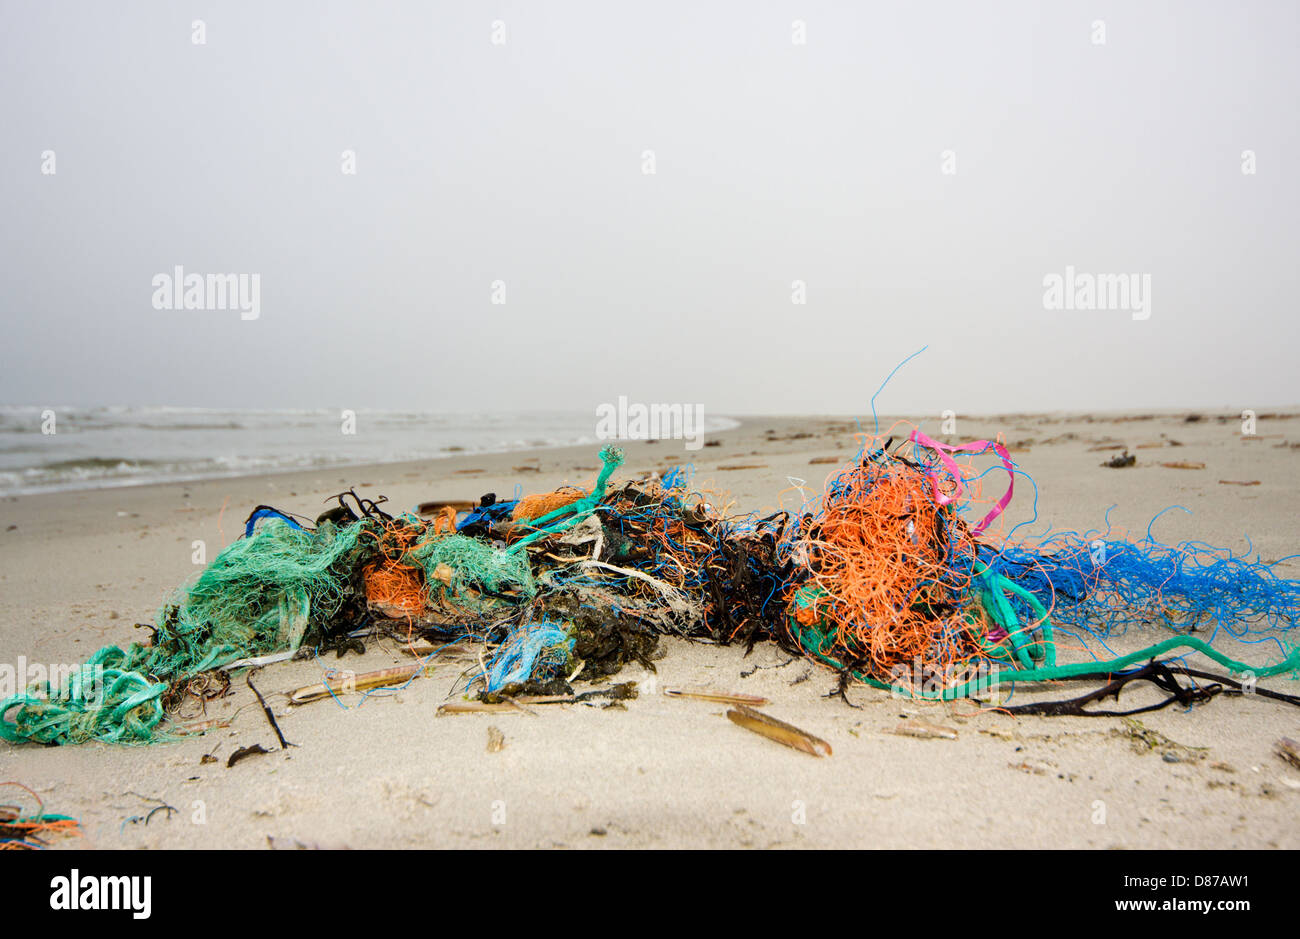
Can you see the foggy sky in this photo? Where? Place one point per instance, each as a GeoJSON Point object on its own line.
{"type": "Point", "coordinates": [775, 162]}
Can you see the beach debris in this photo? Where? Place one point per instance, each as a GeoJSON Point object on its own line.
{"type": "Point", "coordinates": [924, 730]}
{"type": "Point", "coordinates": [1145, 740]}
{"type": "Point", "coordinates": [718, 697]}
{"type": "Point", "coordinates": [767, 726]}
{"type": "Point", "coordinates": [622, 691]}
{"type": "Point", "coordinates": [439, 506]}
{"type": "Point", "coordinates": [1289, 751]}
{"type": "Point", "coordinates": [519, 705]}
{"type": "Point", "coordinates": [244, 753]}
{"type": "Point", "coordinates": [202, 688]}
{"type": "Point", "coordinates": [745, 673]}
{"type": "Point", "coordinates": [1184, 465]}
{"type": "Point", "coordinates": [473, 707]}
{"type": "Point", "coordinates": [1238, 482]}
{"type": "Point", "coordinates": [259, 660]}
{"type": "Point", "coordinates": [1122, 461]}
{"type": "Point", "coordinates": [887, 571]}
{"type": "Point", "coordinates": [1163, 675]}
{"type": "Point", "coordinates": [818, 460]}
{"type": "Point", "coordinates": [483, 707]}
{"type": "Point", "coordinates": [158, 805]}
{"type": "Point", "coordinates": [423, 647]}
{"type": "Point", "coordinates": [496, 740]}
{"type": "Point", "coordinates": [291, 844]}
{"type": "Point", "coordinates": [353, 683]}
{"type": "Point", "coordinates": [266, 709]}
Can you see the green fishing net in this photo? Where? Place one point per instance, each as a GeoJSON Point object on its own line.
{"type": "Point", "coordinates": [475, 564]}
{"type": "Point", "coordinates": [259, 595]}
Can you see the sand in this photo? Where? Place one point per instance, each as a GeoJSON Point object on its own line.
{"type": "Point", "coordinates": [79, 569]}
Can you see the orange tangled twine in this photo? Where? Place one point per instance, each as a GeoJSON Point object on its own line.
{"type": "Point", "coordinates": [883, 583]}
{"type": "Point", "coordinates": [542, 503]}
{"type": "Point", "coordinates": [445, 522]}
{"type": "Point", "coordinates": [395, 588]}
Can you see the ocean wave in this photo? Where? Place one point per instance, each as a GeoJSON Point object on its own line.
{"type": "Point", "coordinates": [123, 446]}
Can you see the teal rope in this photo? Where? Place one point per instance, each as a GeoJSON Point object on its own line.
{"type": "Point", "coordinates": [100, 702]}
{"type": "Point", "coordinates": [1058, 672]}
{"type": "Point", "coordinates": [574, 512]}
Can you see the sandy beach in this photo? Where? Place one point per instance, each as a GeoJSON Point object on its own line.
{"type": "Point", "coordinates": [79, 569]}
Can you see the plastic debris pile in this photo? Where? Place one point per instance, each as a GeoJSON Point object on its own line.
{"type": "Point", "coordinates": [884, 573]}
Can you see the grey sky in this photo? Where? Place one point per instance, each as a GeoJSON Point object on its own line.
{"type": "Point", "coordinates": [775, 162]}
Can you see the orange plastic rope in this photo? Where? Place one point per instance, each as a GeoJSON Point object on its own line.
{"type": "Point", "coordinates": [887, 592]}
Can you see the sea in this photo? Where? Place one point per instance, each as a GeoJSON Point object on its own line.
{"type": "Point", "coordinates": [99, 447]}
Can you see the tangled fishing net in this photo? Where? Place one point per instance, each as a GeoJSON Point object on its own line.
{"type": "Point", "coordinates": [533, 652]}
{"type": "Point", "coordinates": [473, 563]}
{"type": "Point", "coordinates": [261, 594]}
{"type": "Point", "coordinates": [885, 573]}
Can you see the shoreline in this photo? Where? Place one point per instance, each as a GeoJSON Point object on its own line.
{"type": "Point", "coordinates": [374, 467]}
{"type": "Point", "coordinates": [448, 452]}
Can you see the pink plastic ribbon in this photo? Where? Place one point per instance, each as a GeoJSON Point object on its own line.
{"type": "Point", "coordinates": [979, 446]}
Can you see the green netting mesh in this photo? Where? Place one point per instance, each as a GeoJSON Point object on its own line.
{"type": "Point", "coordinates": [256, 597]}
{"type": "Point", "coordinates": [475, 564]}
